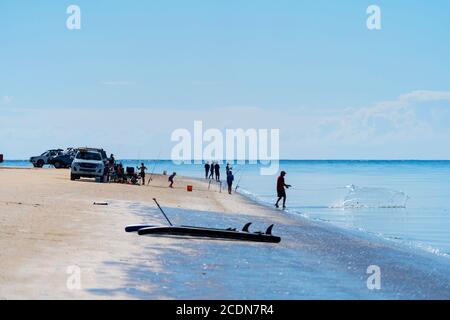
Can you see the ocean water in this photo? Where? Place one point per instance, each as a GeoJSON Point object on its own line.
{"type": "Point", "coordinates": [404, 201]}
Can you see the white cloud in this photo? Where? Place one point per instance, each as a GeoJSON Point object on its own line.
{"type": "Point", "coordinates": [424, 95]}
{"type": "Point", "coordinates": [410, 115]}
{"type": "Point", "coordinates": [415, 125]}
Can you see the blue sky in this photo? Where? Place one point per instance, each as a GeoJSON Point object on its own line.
{"type": "Point", "coordinates": [137, 70]}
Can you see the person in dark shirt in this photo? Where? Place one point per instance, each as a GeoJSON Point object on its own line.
{"type": "Point", "coordinates": [172, 176]}
{"type": "Point", "coordinates": [217, 171]}
{"type": "Point", "coordinates": [227, 168]}
{"type": "Point", "coordinates": [207, 167]}
{"type": "Point", "coordinates": [111, 160]}
{"type": "Point", "coordinates": [142, 169]}
{"type": "Point", "coordinates": [212, 171]}
{"type": "Point", "coordinates": [281, 191]}
{"type": "Point", "coordinates": [230, 179]}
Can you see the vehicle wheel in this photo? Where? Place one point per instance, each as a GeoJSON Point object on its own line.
{"type": "Point", "coordinates": [74, 177]}
{"type": "Point", "coordinates": [57, 165]}
{"type": "Point", "coordinates": [40, 163]}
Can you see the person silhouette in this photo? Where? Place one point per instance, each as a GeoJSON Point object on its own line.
{"type": "Point", "coordinates": [230, 179]}
{"type": "Point", "coordinates": [142, 169]}
{"type": "Point", "coordinates": [212, 171]}
{"type": "Point", "coordinates": [172, 176]}
{"type": "Point", "coordinates": [217, 171]}
{"type": "Point", "coordinates": [281, 185]}
{"type": "Point", "coordinates": [207, 167]}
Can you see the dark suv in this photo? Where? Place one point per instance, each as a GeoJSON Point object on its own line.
{"type": "Point", "coordinates": [63, 160]}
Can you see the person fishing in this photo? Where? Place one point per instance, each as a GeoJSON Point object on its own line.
{"type": "Point", "coordinates": [212, 171]}
{"type": "Point", "coordinates": [281, 191]}
{"type": "Point", "coordinates": [217, 171]}
{"type": "Point", "coordinates": [230, 179]}
{"type": "Point", "coordinates": [142, 169]}
{"type": "Point", "coordinates": [111, 160]}
{"type": "Point", "coordinates": [207, 167]}
{"type": "Point", "coordinates": [172, 176]}
{"type": "Point", "coordinates": [227, 168]}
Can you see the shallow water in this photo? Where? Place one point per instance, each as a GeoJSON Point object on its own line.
{"type": "Point", "coordinates": [407, 201]}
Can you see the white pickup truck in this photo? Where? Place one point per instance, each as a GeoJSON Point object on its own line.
{"type": "Point", "coordinates": [88, 163]}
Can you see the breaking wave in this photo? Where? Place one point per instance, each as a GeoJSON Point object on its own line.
{"type": "Point", "coordinates": [371, 197]}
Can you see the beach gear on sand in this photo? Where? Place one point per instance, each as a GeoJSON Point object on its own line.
{"type": "Point", "coordinates": [231, 234]}
{"type": "Point", "coordinates": [201, 232]}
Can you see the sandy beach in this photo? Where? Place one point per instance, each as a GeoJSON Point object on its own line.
{"type": "Point", "coordinates": [49, 223]}
{"type": "Point", "coordinates": [50, 229]}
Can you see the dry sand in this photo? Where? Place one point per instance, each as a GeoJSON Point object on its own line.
{"type": "Point", "coordinates": [50, 228]}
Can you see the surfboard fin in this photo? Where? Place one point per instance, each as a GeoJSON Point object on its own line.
{"type": "Point", "coordinates": [269, 230]}
{"type": "Point", "coordinates": [245, 228]}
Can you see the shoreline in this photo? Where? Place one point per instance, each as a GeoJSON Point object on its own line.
{"type": "Point", "coordinates": [49, 224]}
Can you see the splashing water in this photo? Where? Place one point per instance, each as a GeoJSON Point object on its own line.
{"type": "Point", "coordinates": [371, 197]}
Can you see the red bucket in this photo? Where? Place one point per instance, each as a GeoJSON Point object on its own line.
{"type": "Point", "coordinates": [189, 188]}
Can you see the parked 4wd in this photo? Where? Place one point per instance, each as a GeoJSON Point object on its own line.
{"type": "Point", "coordinates": [64, 160]}
{"type": "Point", "coordinates": [43, 159]}
{"type": "Point", "coordinates": [88, 163]}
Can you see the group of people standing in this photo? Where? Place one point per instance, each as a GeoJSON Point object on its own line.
{"type": "Point", "coordinates": [212, 171]}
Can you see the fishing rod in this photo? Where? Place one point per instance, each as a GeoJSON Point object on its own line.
{"type": "Point", "coordinates": [154, 199]}
{"type": "Point", "coordinates": [219, 182]}
{"type": "Point", "coordinates": [239, 181]}
{"type": "Point", "coordinates": [237, 171]}
{"type": "Point", "coordinates": [154, 167]}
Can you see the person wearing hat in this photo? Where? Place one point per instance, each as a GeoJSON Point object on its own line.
{"type": "Point", "coordinates": [281, 191]}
